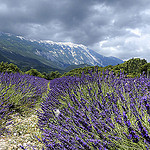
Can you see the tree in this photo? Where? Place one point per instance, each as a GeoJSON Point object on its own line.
{"type": "Point", "coordinates": [145, 68]}
{"type": "Point", "coordinates": [54, 75]}
{"type": "Point", "coordinates": [34, 72]}
{"type": "Point", "coordinates": [5, 67]}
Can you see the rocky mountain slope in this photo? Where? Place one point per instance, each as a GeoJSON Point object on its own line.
{"type": "Point", "coordinates": [48, 55]}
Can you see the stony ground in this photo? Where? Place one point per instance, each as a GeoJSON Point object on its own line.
{"type": "Point", "coordinates": [22, 132]}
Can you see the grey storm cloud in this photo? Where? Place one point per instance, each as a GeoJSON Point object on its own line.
{"type": "Point", "coordinates": [111, 27]}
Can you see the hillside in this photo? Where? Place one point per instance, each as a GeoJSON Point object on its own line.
{"type": "Point", "coordinates": [20, 52]}
{"type": "Point", "coordinates": [133, 67]}
{"type": "Point", "coordinates": [46, 56]}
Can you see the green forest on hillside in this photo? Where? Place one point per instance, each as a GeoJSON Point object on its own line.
{"type": "Point", "coordinates": [133, 67]}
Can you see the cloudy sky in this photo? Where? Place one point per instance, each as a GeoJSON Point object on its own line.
{"type": "Point", "coordinates": [119, 28]}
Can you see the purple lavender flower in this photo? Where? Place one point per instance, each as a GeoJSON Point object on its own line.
{"type": "Point", "coordinates": [144, 132]}
{"type": "Point", "coordinates": [96, 109]}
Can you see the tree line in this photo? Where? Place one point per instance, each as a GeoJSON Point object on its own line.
{"type": "Point", "coordinates": [133, 67]}
{"type": "Point", "coordinates": [12, 68]}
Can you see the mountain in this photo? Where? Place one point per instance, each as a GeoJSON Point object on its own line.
{"type": "Point", "coordinates": [49, 55]}
{"type": "Point", "coordinates": [21, 52]}
{"type": "Point", "coordinates": [66, 54]}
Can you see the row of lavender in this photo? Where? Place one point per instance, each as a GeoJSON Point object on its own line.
{"type": "Point", "coordinates": [100, 111]}
{"type": "Point", "coordinates": [18, 93]}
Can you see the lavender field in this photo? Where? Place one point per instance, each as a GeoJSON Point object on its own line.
{"type": "Point", "coordinates": [99, 111]}
{"type": "Point", "coordinates": [20, 95]}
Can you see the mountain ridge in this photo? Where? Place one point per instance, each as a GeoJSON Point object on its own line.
{"type": "Point", "coordinates": [58, 55]}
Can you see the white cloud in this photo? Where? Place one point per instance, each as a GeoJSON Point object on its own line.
{"type": "Point", "coordinates": [135, 31]}
{"type": "Point", "coordinates": [126, 46]}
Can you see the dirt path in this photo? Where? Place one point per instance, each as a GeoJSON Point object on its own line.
{"type": "Point", "coordinates": [23, 131]}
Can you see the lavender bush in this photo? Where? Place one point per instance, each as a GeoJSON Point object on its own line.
{"type": "Point", "coordinates": [18, 93]}
{"type": "Point", "coordinates": [99, 111]}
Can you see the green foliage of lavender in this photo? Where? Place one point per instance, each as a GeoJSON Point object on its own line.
{"type": "Point", "coordinates": [96, 112]}
{"type": "Point", "coordinates": [18, 93]}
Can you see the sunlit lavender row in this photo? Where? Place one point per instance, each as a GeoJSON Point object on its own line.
{"type": "Point", "coordinates": [18, 93]}
{"type": "Point", "coordinates": [99, 111]}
